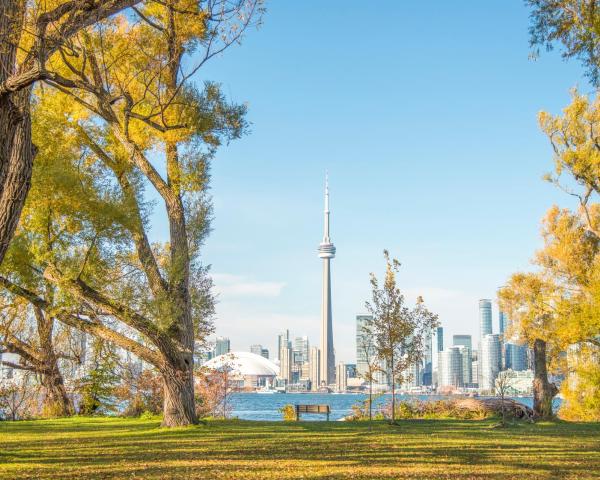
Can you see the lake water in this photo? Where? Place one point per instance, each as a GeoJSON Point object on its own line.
{"type": "Point", "coordinates": [255, 406]}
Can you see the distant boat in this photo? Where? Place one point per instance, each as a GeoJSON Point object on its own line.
{"type": "Point", "coordinates": [266, 391]}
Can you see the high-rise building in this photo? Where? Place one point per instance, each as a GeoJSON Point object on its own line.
{"type": "Point", "coordinates": [283, 341]}
{"type": "Point", "coordinates": [438, 338]}
{"type": "Point", "coordinates": [314, 368]}
{"type": "Point", "coordinates": [305, 372]}
{"type": "Point", "coordinates": [426, 377]}
{"type": "Point", "coordinates": [301, 347]}
{"type": "Point", "coordinates": [516, 357]}
{"type": "Point", "coordinates": [285, 365]}
{"type": "Point", "coordinates": [490, 361]}
{"type": "Point", "coordinates": [462, 340]}
{"type": "Point", "coordinates": [412, 376]}
{"type": "Point", "coordinates": [327, 252]}
{"type": "Point", "coordinates": [265, 353]}
{"type": "Point", "coordinates": [502, 322]}
{"type": "Point", "coordinates": [364, 345]}
{"type": "Point", "coordinates": [341, 377]}
{"type": "Point", "coordinates": [365, 353]}
{"type": "Point", "coordinates": [475, 368]}
{"type": "Point", "coordinates": [437, 342]}
{"type": "Point", "coordinates": [222, 346]}
{"type": "Point", "coordinates": [451, 368]}
{"type": "Point", "coordinates": [485, 317]}
{"type": "Point", "coordinates": [256, 349]}
{"type": "Point", "coordinates": [467, 364]}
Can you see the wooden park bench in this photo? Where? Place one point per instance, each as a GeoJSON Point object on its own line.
{"type": "Point", "coordinates": [312, 409]}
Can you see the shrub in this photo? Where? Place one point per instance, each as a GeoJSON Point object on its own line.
{"type": "Point", "coordinates": [288, 412]}
{"type": "Point", "coordinates": [212, 390]}
{"type": "Point", "coordinates": [140, 392]}
{"type": "Point", "coordinates": [459, 408]}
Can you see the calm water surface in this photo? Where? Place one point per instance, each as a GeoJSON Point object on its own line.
{"type": "Point", "coordinates": [255, 406]}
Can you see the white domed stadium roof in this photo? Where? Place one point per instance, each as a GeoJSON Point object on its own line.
{"type": "Point", "coordinates": [243, 363]}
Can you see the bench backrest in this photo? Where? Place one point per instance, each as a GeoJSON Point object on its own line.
{"type": "Point", "coordinates": [313, 409]}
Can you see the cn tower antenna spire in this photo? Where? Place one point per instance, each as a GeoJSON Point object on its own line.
{"type": "Point", "coordinates": [326, 211]}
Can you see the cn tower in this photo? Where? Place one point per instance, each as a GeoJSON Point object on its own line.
{"type": "Point", "coordinates": [326, 252]}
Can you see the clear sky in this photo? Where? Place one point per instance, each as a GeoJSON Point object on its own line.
{"type": "Point", "coordinates": [424, 113]}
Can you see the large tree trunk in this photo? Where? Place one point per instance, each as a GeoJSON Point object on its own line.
{"type": "Point", "coordinates": [16, 149]}
{"type": "Point", "coordinates": [179, 407]}
{"type": "Point", "coordinates": [56, 401]}
{"type": "Point", "coordinates": [543, 391]}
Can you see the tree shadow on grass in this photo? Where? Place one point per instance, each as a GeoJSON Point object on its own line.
{"type": "Point", "coordinates": [103, 449]}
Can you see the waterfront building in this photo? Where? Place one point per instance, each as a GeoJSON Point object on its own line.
{"type": "Point", "coordinates": [520, 383]}
{"type": "Point", "coordinates": [326, 253]}
{"type": "Point", "coordinates": [451, 368]}
{"type": "Point", "coordinates": [341, 378]}
{"type": "Point", "coordinates": [222, 346]}
{"type": "Point", "coordinates": [246, 370]}
{"type": "Point", "coordinates": [490, 361]}
{"type": "Point", "coordinates": [315, 368]}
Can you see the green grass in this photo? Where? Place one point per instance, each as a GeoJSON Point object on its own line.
{"type": "Point", "coordinates": [97, 448]}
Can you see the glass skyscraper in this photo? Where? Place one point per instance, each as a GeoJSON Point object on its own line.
{"type": "Point", "coordinates": [222, 346]}
{"type": "Point", "coordinates": [301, 346]}
{"type": "Point", "coordinates": [485, 317]}
{"type": "Point", "coordinates": [364, 345]}
{"type": "Point", "coordinates": [437, 343]}
{"type": "Point", "coordinates": [365, 349]}
{"type": "Point", "coordinates": [458, 340]}
{"type": "Point", "coordinates": [503, 322]}
{"type": "Point", "coordinates": [516, 357]}
{"type": "Point", "coordinates": [490, 361]}
{"type": "Point", "coordinates": [451, 368]}
{"type": "Point", "coordinates": [283, 341]}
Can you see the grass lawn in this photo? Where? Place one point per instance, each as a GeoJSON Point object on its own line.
{"type": "Point", "coordinates": [97, 448]}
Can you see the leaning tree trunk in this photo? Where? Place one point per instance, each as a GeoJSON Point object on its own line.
{"type": "Point", "coordinates": [543, 391]}
{"type": "Point", "coordinates": [16, 149]}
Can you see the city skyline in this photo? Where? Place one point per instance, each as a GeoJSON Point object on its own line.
{"type": "Point", "coordinates": [456, 246]}
{"type": "Point", "coordinates": [293, 340]}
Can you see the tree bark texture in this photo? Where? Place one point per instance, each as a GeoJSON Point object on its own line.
{"type": "Point", "coordinates": [543, 391]}
{"type": "Point", "coordinates": [16, 149]}
{"type": "Point", "coordinates": [179, 408]}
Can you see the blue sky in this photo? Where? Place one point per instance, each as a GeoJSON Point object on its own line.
{"type": "Point", "coordinates": [424, 113]}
